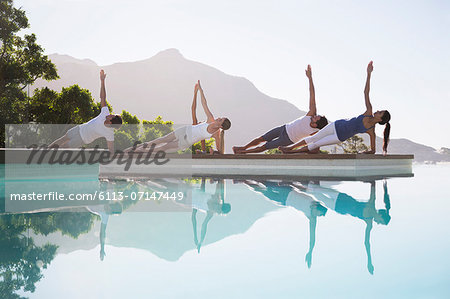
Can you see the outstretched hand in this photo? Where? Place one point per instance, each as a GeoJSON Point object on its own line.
{"type": "Point", "coordinates": [308, 72]}
{"type": "Point", "coordinates": [102, 75]}
{"type": "Point", "coordinates": [370, 67]}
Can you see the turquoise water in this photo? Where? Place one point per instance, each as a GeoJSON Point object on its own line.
{"type": "Point", "coordinates": [244, 239]}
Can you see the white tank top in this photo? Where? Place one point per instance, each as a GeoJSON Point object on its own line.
{"type": "Point", "coordinates": [200, 132]}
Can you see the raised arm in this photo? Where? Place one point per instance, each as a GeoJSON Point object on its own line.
{"type": "Point", "coordinates": [194, 106]}
{"type": "Point", "coordinates": [102, 89]}
{"type": "Point", "coordinates": [194, 114]}
{"type": "Point", "coordinates": [208, 113]}
{"type": "Point", "coordinates": [367, 90]}
{"type": "Point", "coordinates": [312, 95]}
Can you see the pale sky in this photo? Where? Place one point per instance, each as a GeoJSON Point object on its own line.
{"type": "Point", "coordinates": [271, 42]}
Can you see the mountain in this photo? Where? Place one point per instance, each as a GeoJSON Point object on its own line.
{"type": "Point", "coordinates": [163, 85]}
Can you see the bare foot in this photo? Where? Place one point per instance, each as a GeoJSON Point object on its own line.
{"type": "Point", "coordinates": [314, 151]}
{"type": "Point", "coordinates": [284, 149]}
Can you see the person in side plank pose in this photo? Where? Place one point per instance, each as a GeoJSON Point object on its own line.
{"type": "Point", "coordinates": [101, 126]}
{"type": "Point", "coordinates": [291, 132]}
{"type": "Point", "coordinates": [343, 129]}
{"type": "Point", "coordinates": [186, 136]}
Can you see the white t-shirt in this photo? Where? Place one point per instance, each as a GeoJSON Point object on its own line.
{"type": "Point", "coordinates": [300, 128]}
{"type": "Point", "coordinates": [95, 128]}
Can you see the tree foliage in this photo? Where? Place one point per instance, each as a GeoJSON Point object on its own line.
{"type": "Point", "coordinates": [22, 62]}
{"type": "Point", "coordinates": [21, 261]}
{"type": "Point", "coordinates": [353, 145]}
{"type": "Point", "coordinates": [209, 146]}
{"type": "Point", "coordinates": [21, 59]}
{"type": "Point", "coordinates": [73, 105]}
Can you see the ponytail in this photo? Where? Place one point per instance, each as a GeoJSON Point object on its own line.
{"type": "Point", "coordinates": [387, 131]}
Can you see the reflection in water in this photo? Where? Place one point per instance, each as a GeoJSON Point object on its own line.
{"type": "Point", "coordinates": [169, 235]}
{"type": "Point", "coordinates": [313, 200]}
{"type": "Point", "coordinates": [103, 211]}
{"type": "Point", "coordinates": [21, 260]}
{"type": "Point", "coordinates": [289, 195]}
{"type": "Point", "coordinates": [344, 204]}
{"type": "Point", "coordinates": [210, 204]}
{"type": "Point", "coordinates": [201, 201]}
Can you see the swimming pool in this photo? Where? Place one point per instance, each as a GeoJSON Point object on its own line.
{"type": "Point", "coordinates": [246, 238]}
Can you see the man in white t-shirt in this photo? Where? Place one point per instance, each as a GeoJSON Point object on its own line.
{"type": "Point", "coordinates": [101, 126]}
{"type": "Point", "coordinates": [289, 133]}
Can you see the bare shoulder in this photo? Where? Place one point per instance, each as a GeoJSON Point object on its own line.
{"type": "Point", "coordinates": [368, 113]}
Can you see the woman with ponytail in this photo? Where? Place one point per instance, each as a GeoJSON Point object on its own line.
{"type": "Point", "coordinates": [343, 129]}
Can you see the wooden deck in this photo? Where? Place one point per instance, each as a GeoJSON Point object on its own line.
{"type": "Point", "coordinates": [344, 166]}
{"type": "Point", "coordinates": [352, 166]}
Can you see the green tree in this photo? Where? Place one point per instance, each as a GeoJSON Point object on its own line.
{"type": "Point", "coordinates": [128, 132]}
{"type": "Point", "coordinates": [353, 145]}
{"type": "Point", "coordinates": [21, 260]}
{"type": "Point", "coordinates": [209, 145]}
{"type": "Point", "coordinates": [156, 128]}
{"type": "Point", "coordinates": [73, 105]}
{"type": "Point", "coordinates": [22, 62]}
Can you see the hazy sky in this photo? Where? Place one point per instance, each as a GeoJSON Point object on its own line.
{"type": "Point", "coordinates": [271, 42]}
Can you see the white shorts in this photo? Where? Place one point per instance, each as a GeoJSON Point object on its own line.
{"type": "Point", "coordinates": [183, 136]}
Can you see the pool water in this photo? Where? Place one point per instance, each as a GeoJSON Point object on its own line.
{"type": "Point", "coordinates": [241, 238]}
